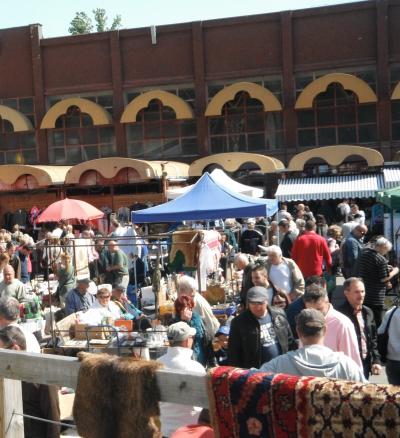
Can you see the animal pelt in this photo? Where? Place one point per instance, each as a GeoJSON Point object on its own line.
{"type": "Point", "coordinates": [116, 397]}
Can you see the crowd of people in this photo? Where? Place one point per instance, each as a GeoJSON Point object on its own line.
{"type": "Point", "coordinates": [287, 320]}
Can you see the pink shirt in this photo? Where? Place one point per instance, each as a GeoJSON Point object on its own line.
{"type": "Point", "coordinates": [341, 335]}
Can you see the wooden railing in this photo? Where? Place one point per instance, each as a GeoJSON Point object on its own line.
{"type": "Point", "coordinates": [49, 369]}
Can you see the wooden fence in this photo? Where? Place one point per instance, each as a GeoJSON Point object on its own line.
{"type": "Point", "coordinates": [48, 369]}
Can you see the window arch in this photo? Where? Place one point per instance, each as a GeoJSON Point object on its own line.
{"type": "Point", "coordinates": [157, 133]}
{"type": "Point", "coordinates": [337, 117]}
{"type": "Point", "coordinates": [17, 135]}
{"type": "Point", "coordinates": [245, 126]}
{"type": "Point", "coordinates": [75, 138]}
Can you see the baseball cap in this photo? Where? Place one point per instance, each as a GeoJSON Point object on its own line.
{"type": "Point", "coordinates": [257, 294]}
{"type": "Point", "coordinates": [310, 322]}
{"type": "Point", "coordinates": [180, 331]}
{"type": "Point", "coordinates": [223, 330]}
{"type": "Point", "coordinates": [251, 220]}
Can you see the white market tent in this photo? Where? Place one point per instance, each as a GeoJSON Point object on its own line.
{"type": "Point", "coordinates": [222, 179]}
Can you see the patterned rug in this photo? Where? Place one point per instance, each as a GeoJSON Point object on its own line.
{"type": "Point", "coordinates": [247, 404]}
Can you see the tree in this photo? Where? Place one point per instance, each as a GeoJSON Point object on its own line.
{"type": "Point", "coordinates": [82, 23]}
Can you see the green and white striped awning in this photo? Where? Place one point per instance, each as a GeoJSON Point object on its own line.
{"type": "Point", "coordinates": [329, 187]}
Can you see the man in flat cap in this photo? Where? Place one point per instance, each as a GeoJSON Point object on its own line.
{"type": "Point", "coordinates": [79, 298]}
{"type": "Point", "coordinates": [314, 359]}
{"type": "Point", "coordinates": [179, 357]}
{"type": "Point", "coordinates": [260, 333]}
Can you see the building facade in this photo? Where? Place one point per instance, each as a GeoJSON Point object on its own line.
{"type": "Point", "coordinates": [274, 84]}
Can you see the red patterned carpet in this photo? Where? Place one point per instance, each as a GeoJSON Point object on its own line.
{"type": "Point", "coordinates": [248, 403]}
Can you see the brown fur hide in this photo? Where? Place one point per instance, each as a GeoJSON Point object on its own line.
{"type": "Point", "coordinates": [116, 397]}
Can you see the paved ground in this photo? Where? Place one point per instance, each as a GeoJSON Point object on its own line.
{"type": "Point", "coordinates": [337, 299]}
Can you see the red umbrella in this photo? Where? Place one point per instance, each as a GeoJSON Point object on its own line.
{"type": "Point", "coordinates": [69, 209]}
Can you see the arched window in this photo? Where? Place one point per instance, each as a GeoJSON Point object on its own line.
{"type": "Point", "coordinates": [158, 134]}
{"type": "Point", "coordinates": [18, 147]}
{"type": "Point", "coordinates": [337, 118]}
{"type": "Point", "coordinates": [75, 139]}
{"type": "Point", "coordinates": [244, 126]}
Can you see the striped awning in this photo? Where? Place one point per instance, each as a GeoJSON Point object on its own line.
{"type": "Point", "coordinates": [329, 187]}
{"type": "Point", "coordinates": [391, 177]}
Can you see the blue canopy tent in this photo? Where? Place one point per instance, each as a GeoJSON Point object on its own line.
{"type": "Point", "coordinates": [207, 200]}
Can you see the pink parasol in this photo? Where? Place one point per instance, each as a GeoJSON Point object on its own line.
{"type": "Point", "coordinates": [69, 209]}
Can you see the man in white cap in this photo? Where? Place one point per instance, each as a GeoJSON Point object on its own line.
{"type": "Point", "coordinates": [179, 357]}
{"type": "Point", "coordinates": [251, 238]}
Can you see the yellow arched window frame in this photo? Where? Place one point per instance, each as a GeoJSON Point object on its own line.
{"type": "Point", "coordinates": [335, 155]}
{"type": "Point", "coordinates": [269, 101]}
{"type": "Point", "coordinates": [349, 82]}
{"type": "Point", "coordinates": [19, 121]}
{"type": "Point", "coordinates": [181, 108]}
{"type": "Point", "coordinates": [99, 115]}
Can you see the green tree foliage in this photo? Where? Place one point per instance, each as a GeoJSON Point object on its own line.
{"type": "Point", "coordinates": [82, 23]}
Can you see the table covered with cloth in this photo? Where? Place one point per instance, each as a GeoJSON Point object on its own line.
{"type": "Point", "coordinates": [248, 403]}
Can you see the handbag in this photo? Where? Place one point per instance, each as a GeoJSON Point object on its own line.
{"type": "Point", "coordinates": [383, 338]}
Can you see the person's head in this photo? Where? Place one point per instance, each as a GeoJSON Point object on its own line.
{"type": "Point", "coordinates": [12, 338]}
{"type": "Point", "coordinates": [382, 245]}
{"type": "Point", "coordinates": [283, 226]}
{"type": "Point", "coordinates": [360, 231]}
{"type": "Point", "coordinates": [181, 334]}
{"type": "Point", "coordinates": [16, 228]}
{"type": "Point", "coordinates": [9, 311]}
{"type": "Point", "coordinates": [315, 279]}
{"type": "Point", "coordinates": [310, 225]}
{"type": "Point", "coordinates": [240, 261]}
{"type": "Point", "coordinates": [4, 259]}
{"type": "Point", "coordinates": [316, 297]}
{"type": "Point", "coordinates": [354, 291]}
{"type": "Point", "coordinates": [184, 307]}
{"type": "Point", "coordinates": [187, 286]}
{"type": "Point", "coordinates": [114, 224]}
{"type": "Point", "coordinates": [257, 301]}
{"type": "Point", "coordinates": [251, 223]}
{"type": "Point", "coordinates": [320, 218]}
{"type": "Point", "coordinates": [300, 207]}
{"type": "Point", "coordinates": [112, 246]}
{"type": "Point", "coordinates": [104, 294]}
{"type": "Point", "coordinates": [65, 258]}
{"type": "Point", "coordinates": [280, 299]}
{"type": "Point", "coordinates": [354, 209]}
{"type": "Point", "coordinates": [335, 232]}
{"type": "Point", "coordinates": [119, 292]}
{"type": "Point", "coordinates": [26, 249]}
{"type": "Point", "coordinates": [11, 248]}
{"type": "Point", "coordinates": [301, 225]}
{"type": "Point", "coordinates": [82, 284]}
{"type": "Point", "coordinates": [229, 222]}
{"type": "Point", "coordinates": [9, 274]}
{"type": "Point", "coordinates": [274, 226]}
{"type": "Point", "coordinates": [310, 326]}
{"type": "Point", "coordinates": [223, 335]}
{"type": "Point", "coordinates": [274, 253]}
{"type": "Point", "coordinates": [259, 276]}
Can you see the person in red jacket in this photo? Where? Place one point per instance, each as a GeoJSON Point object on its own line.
{"type": "Point", "coordinates": [310, 251]}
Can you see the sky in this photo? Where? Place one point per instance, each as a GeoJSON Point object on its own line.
{"type": "Point", "coordinates": [55, 16]}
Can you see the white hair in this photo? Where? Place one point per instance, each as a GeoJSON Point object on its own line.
{"type": "Point", "coordinates": [382, 241]}
{"type": "Point", "coordinates": [274, 249]}
{"type": "Point", "coordinates": [186, 284]}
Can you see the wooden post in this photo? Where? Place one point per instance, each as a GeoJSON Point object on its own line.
{"type": "Point", "coordinates": [11, 426]}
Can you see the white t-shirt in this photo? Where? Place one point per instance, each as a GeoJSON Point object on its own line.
{"type": "Point", "coordinates": [280, 277]}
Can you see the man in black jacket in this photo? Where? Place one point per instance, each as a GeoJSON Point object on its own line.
{"type": "Point", "coordinates": [260, 333]}
{"type": "Point", "coordinates": [363, 319]}
{"type": "Point", "coordinates": [288, 238]}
